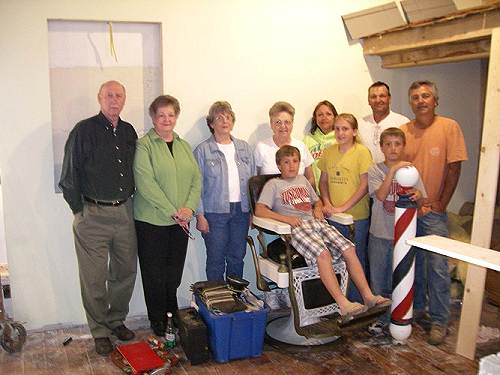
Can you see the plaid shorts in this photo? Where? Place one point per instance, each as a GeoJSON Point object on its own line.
{"type": "Point", "coordinates": [314, 236]}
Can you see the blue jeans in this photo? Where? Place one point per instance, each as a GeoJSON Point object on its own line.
{"type": "Point", "coordinates": [360, 241]}
{"type": "Point", "coordinates": [226, 242]}
{"type": "Point", "coordinates": [380, 252]}
{"type": "Point", "coordinates": [432, 277]}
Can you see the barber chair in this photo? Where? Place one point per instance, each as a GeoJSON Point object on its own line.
{"type": "Point", "coordinates": [315, 316]}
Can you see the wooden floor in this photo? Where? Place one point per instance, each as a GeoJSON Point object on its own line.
{"type": "Point", "coordinates": [360, 353]}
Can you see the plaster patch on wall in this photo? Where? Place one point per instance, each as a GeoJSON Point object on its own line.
{"type": "Point", "coordinates": [80, 60]}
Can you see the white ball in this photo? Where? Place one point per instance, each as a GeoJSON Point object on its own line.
{"type": "Point", "coordinates": [407, 176]}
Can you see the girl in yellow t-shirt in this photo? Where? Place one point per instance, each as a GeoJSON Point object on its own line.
{"type": "Point", "coordinates": [344, 186]}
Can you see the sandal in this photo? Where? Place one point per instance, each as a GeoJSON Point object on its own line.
{"type": "Point", "coordinates": [353, 310]}
{"type": "Point", "coordinates": [378, 301]}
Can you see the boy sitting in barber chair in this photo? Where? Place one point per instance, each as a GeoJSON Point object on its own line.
{"type": "Point", "coordinates": [291, 199]}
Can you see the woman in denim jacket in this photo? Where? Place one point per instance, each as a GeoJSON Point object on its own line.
{"type": "Point", "coordinates": [223, 216]}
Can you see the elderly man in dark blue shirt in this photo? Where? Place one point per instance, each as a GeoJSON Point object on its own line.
{"type": "Point", "coordinates": [97, 182]}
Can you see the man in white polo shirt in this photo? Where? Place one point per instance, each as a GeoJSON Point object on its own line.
{"type": "Point", "coordinates": [381, 118]}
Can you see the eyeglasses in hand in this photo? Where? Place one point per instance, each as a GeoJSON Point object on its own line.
{"type": "Point", "coordinates": [184, 225]}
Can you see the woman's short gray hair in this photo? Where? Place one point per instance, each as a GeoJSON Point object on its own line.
{"type": "Point", "coordinates": [217, 108]}
{"type": "Point", "coordinates": [279, 107]}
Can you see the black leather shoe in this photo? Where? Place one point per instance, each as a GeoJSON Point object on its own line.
{"type": "Point", "coordinates": [123, 333]}
{"type": "Point", "coordinates": [158, 327]}
{"type": "Point", "coordinates": [103, 345]}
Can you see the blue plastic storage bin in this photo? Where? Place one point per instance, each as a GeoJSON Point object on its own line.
{"type": "Point", "coordinates": [236, 335]}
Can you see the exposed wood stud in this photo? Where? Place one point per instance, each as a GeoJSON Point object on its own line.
{"type": "Point", "coordinates": [484, 204]}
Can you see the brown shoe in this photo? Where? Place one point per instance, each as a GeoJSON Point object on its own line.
{"type": "Point", "coordinates": [437, 335]}
{"type": "Point", "coordinates": [123, 333]}
{"type": "Point", "coordinates": [103, 345]}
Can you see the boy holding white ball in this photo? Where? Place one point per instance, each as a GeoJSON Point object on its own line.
{"type": "Point", "coordinates": [383, 188]}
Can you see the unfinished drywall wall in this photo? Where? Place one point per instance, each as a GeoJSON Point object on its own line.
{"type": "Point", "coordinates": [251, 54]}
{"type": "Point", "coordinates": [82, 55]}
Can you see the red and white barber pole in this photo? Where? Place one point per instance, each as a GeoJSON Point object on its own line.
{"type": "Point", "coordinates": [403, 261]}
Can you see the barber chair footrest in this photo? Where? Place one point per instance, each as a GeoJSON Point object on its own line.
{"type": "Point", "coordinates": [362, 319]}
{"type": "Point", "coordinates": [283, 329]}
{"type": "Point", "coordinates": [324, 328]}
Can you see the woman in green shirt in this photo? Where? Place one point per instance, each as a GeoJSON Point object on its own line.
{"type": "Point", "coordinates": [321, 134]}
{"type": "Point", "coordinates": [168, 184]}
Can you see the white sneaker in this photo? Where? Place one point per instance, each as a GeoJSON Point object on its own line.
{"type": "Point", "coordinates": [376, 328]}
{"type": "Point", "coordinates": [272, 299]}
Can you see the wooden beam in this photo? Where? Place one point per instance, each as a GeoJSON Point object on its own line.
{"type": "Point", "coordinates": [437, 55]}
{"type": "Point", "coordinates": [438, 60]}
{"type": "Point", "coordinates": [468, 28]}
{"type": "Point", "coordinates": [484, 205]}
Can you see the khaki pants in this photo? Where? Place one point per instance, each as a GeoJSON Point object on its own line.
{"type": "Point", "coordinates": [106, 248]}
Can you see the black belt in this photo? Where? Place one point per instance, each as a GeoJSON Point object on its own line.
{"type": "Point", "coordinates": [104, 203]}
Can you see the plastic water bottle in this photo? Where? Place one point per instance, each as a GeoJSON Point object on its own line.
{"type": "Point", "coordinates": [169, 332]}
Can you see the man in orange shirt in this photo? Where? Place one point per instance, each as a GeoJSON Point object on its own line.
{"type": "Point", "coordinates": [436, 146]}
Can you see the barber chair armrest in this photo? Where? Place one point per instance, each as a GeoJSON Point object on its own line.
{"type": "Point", "coordinates": [283, 228]}
{"type": "Point", "coordinates": [273, 225]}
